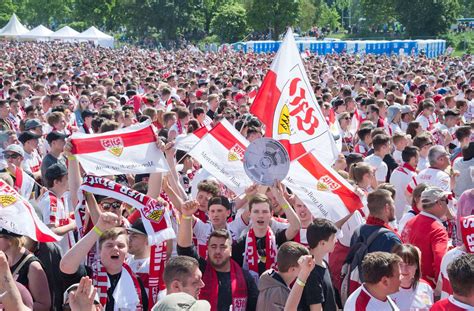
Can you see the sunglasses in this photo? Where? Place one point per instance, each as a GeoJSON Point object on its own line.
{"type": "Point", "coordinates": [347, 118]}
{"type": "Point", "coordinates": [114, 205]}
{"type": "Point", "coordinates": [12, 156]}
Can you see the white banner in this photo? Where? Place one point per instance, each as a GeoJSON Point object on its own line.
{"type": "Point", "coordinates": [128, 150]}
{"type": "Point", "coordinates": [221, 152]}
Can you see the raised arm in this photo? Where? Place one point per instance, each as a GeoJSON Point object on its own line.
{"type": "Point", "coordinates": [185, 232]}
{"type": "Point", "coordinates": [73, 258]}
{"type": "Point", "coordinates": [293, 219]}
{"type": "Point", "coordinates": [74, 172]}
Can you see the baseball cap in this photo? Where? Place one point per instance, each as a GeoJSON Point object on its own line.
{"type": "Point", "coordinates": [88, 113]}
{"type": "Point", "coordinates": [137, 227]}
{"type": "Point", "coordinates": [31, 124]}
{"type": "Point", "coordinates": [433, 194]}
{"type": "Point", "coordinates": [181, 301]}
{"type": "Point", "coordinates": [55, 171]}
{"type": "Point", "coordinates": [406, 109]}
{"type": "Point", "coordinates": [9, 233]}
{"type": "Point", "coordinates": [15, 148]}
{"type": "Point", "coordinates": [54, 135]}
{"type": "Point", "coordinates": [26, 136]}
{"type": "Point", "coordinates": [392, 112]}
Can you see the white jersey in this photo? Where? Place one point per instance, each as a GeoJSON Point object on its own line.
{"type": "Point", "coordinates": [423, 163]}
{"type": "Point", "coordinates": [420, 298]}
{"type": "Point", "coordinates": [443, 280]}
{"type": "Point", "coordinates": [400, 178]}
{"type": "Point", "coordinates": [397, 156]}
{"type": "Point", "coordinates": [381, 168]}
{"type": "Point", "coordinates": [425, 123]}
{"type": "Point", "coordinates": [361, 300]}
{"type": "Point", "coordinates": [431, 177]}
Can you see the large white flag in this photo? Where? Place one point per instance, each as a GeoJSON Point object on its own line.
{"type": "Point", "coordinates": [286, 104]}
{"type": "Point", "coordinates": [129, 150]}
{"type": "Point", "coordinates": [220, 152]}
{"type": "Point", "coordinates": [18, 216]}
{"type": "Point", "coordinates": [322, 189]}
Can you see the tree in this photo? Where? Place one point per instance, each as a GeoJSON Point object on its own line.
{"type": "Point", "coordinates": [230, 23]}
{"type": "Point", "coordinates": [7, 8]}
{"type": "Point", "coordinates": [275, 15]}
{"type": "Point", "coordinates": [378, 12]}
{"type": "Point", "coordinates": [50, 13]}
{"type": "Point", "coordinates": [307, 15]}
{"type": "Point", "coordinates": [94, 12]}
{"type": "Point", "coordinates": [329, 17]}
{"type": "Point", "coordinates": [426, 17]}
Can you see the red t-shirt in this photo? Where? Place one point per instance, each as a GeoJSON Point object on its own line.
{"type": "Point", "coordinates": [427, 233]}
{"type": "Point", "coordinates": [450, 304]}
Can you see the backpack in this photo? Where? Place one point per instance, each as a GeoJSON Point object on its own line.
{"type": "Point", "coordinates": [352, 265]}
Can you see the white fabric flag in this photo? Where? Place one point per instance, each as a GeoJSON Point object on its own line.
{"type": "Point", "coordinates": [18, 216]}
{"type": "Point", "coordinates": [129, 150]}
{"type": "Point", "coordinates": [221, 152]}
{"type": "Point", "coordinates": [286, 104]}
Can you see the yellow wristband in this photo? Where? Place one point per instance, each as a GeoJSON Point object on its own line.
{"type": "Point", "coordinates": [97, 231]}
{"type": "Point", "coordinates": [285, 206]}
{"type": "Point", "coordinates": [71, 157]}
{"type": "Point", "coordinates": [186, 217]}
{"type": "Point", "coordinates": [300, 283]}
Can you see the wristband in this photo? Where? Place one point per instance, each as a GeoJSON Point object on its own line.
{"type": "Point", "coordinates": [97, 231]}
{"type": "Point", "coordinates": [285, 206]}
{"type": "Point", "coordinates": [71, 157]}
{"type": "Point", "coordinates": [300, 283]}
{"type": "Point", "coordinates": [186, 217]}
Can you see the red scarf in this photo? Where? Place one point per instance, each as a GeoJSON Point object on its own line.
{"type": "Point", "coordinates": [101, 282]}
{"type": "Point", "coordinates": [251, 252]}
{"type": "Point", "coordinates": [237, 283]}
{"type": "Point", "coordinates": [201, 215]}
{"type": "Point", "coordinates": [409, 167]}
{"type": "Point", "coordinates": [18, 179]}
{"type": "Point", "coordinates": [371, 220]}
{"type": "Point", "coordinates": [157, 267]}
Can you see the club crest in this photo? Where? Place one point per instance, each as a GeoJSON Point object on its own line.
{"type": "Point", "coordinates": [236, 153]}
{"type": "Point", "coordinates": [113, 145]}
{"type": "Point", "coordinates": [7, 200]}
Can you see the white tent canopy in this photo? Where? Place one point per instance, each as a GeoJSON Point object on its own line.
{"type": "Point", "coordinates": [13, 28]}
{"type": "Point", "coordinates": [64, 33]}
{"type": "Point", "coordinates": [38, 33]}
{"type": "Point", "coordinates": [94, 34]}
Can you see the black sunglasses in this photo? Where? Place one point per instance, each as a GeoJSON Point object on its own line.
{"type": "Point", "coordinates": [12, 156]}
{"type": "Point", "coordinates": [114, 205]}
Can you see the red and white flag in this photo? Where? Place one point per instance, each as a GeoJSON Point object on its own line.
{"type": "Point", "coordinates": [322, 189]}
{"type": "Point", "coordinates": [18, 216]}
{"type": "Point", "coordinates": [286, 104]}
{"type": "Point", "coordinates": [187, 142]}
{"type": "Point", "coordinates": [129, 150]}
{"type": "Point", "coordinates": [221, 152]}
{"type": "Point", "coordinates": [355, 122]}
{"type": "Point", "coordinates": [335, 129]}
{"type": "Point", "coordinates": [23, 183]}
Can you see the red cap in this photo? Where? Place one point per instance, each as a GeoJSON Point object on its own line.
{"type": "Point", "coordinates": [437, 98]}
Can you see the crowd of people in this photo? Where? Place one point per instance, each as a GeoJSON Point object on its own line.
{"type": "Point", "coordinates": [405, 124]}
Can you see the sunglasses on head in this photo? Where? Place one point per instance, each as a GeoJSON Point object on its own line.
{"type": "Point", "coordinates": [114, 205]}
{"type": "Point", "coordinates": [12, 155]}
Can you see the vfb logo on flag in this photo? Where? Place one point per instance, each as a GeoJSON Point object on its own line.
{"type": "Point", "coordinates": [326, 183]}
{"type": "Point", "coordinates": [113, 145]}
{"type": "Point", "coordinates": [236, 153]}
{"type": "Point", "coordinates": [153, 211]}
{"type": "Point", "coordinates": [297, 116]}
{"type": "Point", "coordinates": [7, 200]}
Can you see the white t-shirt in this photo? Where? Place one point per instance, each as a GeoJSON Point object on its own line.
{"type": "Point", "coordinates": [424, 122]}
{"type": "Point", "coordinates": [361, 299]}
{"type": "Point", "coordinates": [420, 298]}
{"type": "Point", "coordinates": [405, 218]}
{"type": "Point", "coordinates": [31, 162]}
{"type": "Point", "coordinates": [397, 156]}
{"type": "Point", "coordinates": [400, 177]}
{"type": "Point", "coordinates": [381, 168]}
{"type": "Point", "coordinates": [431, 177]}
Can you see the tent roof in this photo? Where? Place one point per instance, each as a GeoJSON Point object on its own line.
{"type": "Point", "coordinates": [65, 32]}
{"type": "Point", "coordinates": [13, 28]}
{"type": "Point", "coordinates": [37, 32]}
{"type": "Point", "coordinates": [93, 33]}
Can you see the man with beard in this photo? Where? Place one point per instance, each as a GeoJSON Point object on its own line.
{"type": "Point", "coordinates": [226, 283]}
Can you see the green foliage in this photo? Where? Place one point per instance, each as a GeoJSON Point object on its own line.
{"type": "Point", "coordinates": [7, 8]}
{"type": "Point", "coordinates": [329, 17]}
{"type": "Point", "coordinates": [276, 15]}
{"type": "Point", "coordinates": [378, 12]}
{"type": "Point", "coordinates": [426, 17]}
{"type": "Point", "coordinates": [50, 13]}
{"type": "Point", "coordinates": [229, 23]}
{"type": "Point", "coordinates": [307, 17]}
{"type": "Point", "coordinates": [461, 42]}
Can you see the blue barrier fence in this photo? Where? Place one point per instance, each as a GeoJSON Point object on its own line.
{"type": "Point", "coordinates": [431, 48]}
